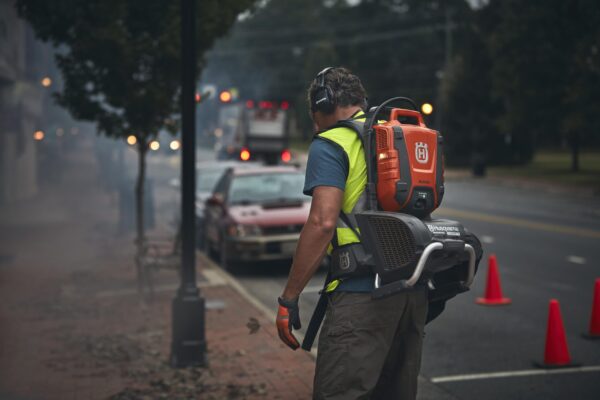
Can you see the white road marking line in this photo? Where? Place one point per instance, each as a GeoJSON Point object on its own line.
{"type": "Point", "coordinates": [487, 239]}
{"type": "Point", "coordinates": [576, 260]}
{"type": "Point", "coordinates": [511, 374]}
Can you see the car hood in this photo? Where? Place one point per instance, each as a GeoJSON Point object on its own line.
{"type": "Point", "coordinates": [256, 214]}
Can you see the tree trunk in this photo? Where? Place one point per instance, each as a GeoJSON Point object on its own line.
{"type": "Point", "coordinates": [140, 239]}
{"type": "Point", "coordinates": [574, 152]}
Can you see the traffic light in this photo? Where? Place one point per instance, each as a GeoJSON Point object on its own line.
{"type": "Point", "coordinates": [427, 108]}
{"type": "Point", "coordinates": [225, 96]}
{"type": "Point", "coordinates": [245, 154]}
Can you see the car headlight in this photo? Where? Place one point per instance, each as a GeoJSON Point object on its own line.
{"type": "Point", "coordinates": [242, 230]}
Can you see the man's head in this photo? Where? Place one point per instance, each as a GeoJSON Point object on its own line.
{"type": "Point", "coordinates": [335, 94]}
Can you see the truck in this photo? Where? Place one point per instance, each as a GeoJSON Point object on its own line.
{"type": "Point", "coordinates": [253, 130]}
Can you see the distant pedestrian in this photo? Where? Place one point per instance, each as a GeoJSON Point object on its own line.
{"type": "Point", "coordinates": [368, 349]}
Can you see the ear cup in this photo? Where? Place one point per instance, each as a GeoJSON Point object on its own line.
{"type": "Point", "coordinates": [323, 99]}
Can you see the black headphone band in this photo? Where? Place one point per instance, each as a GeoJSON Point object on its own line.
{"type": "Point", "coordinates": [321, 76]}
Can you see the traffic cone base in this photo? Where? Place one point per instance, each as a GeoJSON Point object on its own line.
{"type": "Point", "coordinates": [590, 337]}
{"type": "Point", "coordinates": [556, 366]}
{"type": "Point", "coordinates": [493, 302]}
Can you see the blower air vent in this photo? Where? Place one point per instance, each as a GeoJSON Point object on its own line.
{"type": "Point", "coordinates": [395, 242]}
{"type": "Point", "coordinates": [382, 139]}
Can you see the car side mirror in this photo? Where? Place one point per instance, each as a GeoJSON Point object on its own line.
{"type": "Point", "coordinates": [215, 200]}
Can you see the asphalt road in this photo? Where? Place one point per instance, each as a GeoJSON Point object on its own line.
{"type": "Point", "coordinates": [548, 247]}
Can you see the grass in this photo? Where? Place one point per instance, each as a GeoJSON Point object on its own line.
{"type": "Point", "coordinates": [550, 166]}
{"type": "Point", "coordinates": [555, 167]}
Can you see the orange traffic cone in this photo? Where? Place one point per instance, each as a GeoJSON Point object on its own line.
{"type": "Point", "coordinates": [493, 291]}
{"type": "Point", "coordinates": [594, 332]}
{"type": "Point", "coordinates": [556, 354]}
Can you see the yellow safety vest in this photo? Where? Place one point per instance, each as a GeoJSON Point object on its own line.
{"type": "Point", "coordinates": [354, 195]}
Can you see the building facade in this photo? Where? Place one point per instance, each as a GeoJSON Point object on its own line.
{"type": "Point", "coordinates": [24, 62]}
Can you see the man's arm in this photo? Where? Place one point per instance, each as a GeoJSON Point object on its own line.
{"type": "Point", "coordinates": [314, 239]}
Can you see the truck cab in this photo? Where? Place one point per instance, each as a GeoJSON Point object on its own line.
{"type": "Point", "coordinates": [254, 130]}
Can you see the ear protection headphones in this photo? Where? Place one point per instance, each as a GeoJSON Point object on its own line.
{"type": "Point", "coordinates": [323, 99]}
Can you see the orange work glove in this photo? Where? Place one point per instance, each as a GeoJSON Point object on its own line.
{"type": "Point", "coordinates": [288, 317]}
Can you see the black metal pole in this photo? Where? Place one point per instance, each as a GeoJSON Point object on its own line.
{"type": "Point", "coordinates": [188, 346]}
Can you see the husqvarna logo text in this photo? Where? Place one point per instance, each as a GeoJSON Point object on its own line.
{"type": "Point", "coordinates": [421, 152]}
{"type": "Point", "coordinates": [344, 260]}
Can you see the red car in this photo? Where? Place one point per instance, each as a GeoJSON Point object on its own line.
{"type": "Point", "coordinates": [256, 214]}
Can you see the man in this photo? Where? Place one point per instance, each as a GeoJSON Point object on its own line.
{"type": "Point", "coordinates": [368, 349]}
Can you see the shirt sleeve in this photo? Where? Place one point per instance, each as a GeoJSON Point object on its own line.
{"type": "Point", "coordinates": [327, 165]}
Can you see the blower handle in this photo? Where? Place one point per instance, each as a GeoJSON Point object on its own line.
{"type": "Point", "coordinates": [401, 112]}
{"type": "Point", "coordinates": [388, 101]}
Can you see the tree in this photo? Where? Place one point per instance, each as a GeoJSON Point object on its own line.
{"type": "Point", "coordinates": [470, 130]}
{"type": "Point", "coordinates": [120, 62]}
{"type": "Point", "coordinates": [581, 99]}
{"type": "Point", "coordinates": [395, 46]}
{"type": "Point", "coordinates": [529, 74]}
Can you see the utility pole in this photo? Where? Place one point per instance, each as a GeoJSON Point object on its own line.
{"type": "Point", "coordinates": [188, 345]}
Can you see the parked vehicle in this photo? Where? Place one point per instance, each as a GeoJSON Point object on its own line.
{"type": "Point", "coordinates": [207, 175]}
{"type": "Point", "coordinates": [256, 214]}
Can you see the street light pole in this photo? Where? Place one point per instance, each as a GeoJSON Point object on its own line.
{"type": "Point", "coordinates": [188, 345]}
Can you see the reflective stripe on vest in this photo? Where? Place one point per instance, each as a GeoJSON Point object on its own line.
{"type": "Point", "coordinates": [354, 195]}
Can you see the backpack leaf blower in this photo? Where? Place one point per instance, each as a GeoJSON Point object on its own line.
{"type": "Point", "coordinates": [405, 184]}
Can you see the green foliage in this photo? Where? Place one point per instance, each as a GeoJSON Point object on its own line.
{"type": "Point", "coordinates": [532, 80]}
{"type": "Point", "coordinates": [121, 65]}
{"type": "Point", "coordinates": [516, 75]}
{"type": "Point", "coordinates": [396, 47]}
{"type": "Point", "coordinates": [581, 97]}
{"type": "Point", "coordinates": [120, 60]}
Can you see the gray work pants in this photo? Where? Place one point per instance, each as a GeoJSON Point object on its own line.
{"type": "Point", "coordinates": [371, 349]}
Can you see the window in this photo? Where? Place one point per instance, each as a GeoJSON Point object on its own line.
{"type": "Point", "coordinates": [267, 188]}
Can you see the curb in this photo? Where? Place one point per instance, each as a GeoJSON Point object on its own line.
{"type": "Point", "coordinates": [230, 280]}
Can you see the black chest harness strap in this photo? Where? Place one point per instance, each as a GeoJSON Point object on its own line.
{"type": "Point", "coordinates": [319, 313]}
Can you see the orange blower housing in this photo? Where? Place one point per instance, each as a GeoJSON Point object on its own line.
{"type": "Point", "coordinates": [409, 161]}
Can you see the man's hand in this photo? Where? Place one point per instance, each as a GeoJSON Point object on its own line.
{"type": "Point", "coordinates": [288, 317]}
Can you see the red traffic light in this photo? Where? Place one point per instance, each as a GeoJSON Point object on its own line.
{"type": "Point", "coordinates": [245, 154]}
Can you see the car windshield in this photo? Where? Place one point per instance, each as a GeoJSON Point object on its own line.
{"type": "Point", "coordinates": [267, 188]}
{"type": "Point", "coordinates": [207, 179]}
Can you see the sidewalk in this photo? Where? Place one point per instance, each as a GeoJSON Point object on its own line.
{"type": "Point", "coordinates": [73, 327]}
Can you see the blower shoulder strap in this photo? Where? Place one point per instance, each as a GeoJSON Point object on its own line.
{"type": "Point", "coordinates": [344, 217]}
{"type": "Point", "coordinates": [365, 136]}
{"type": "Point", "coordinates": [353, 124]}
